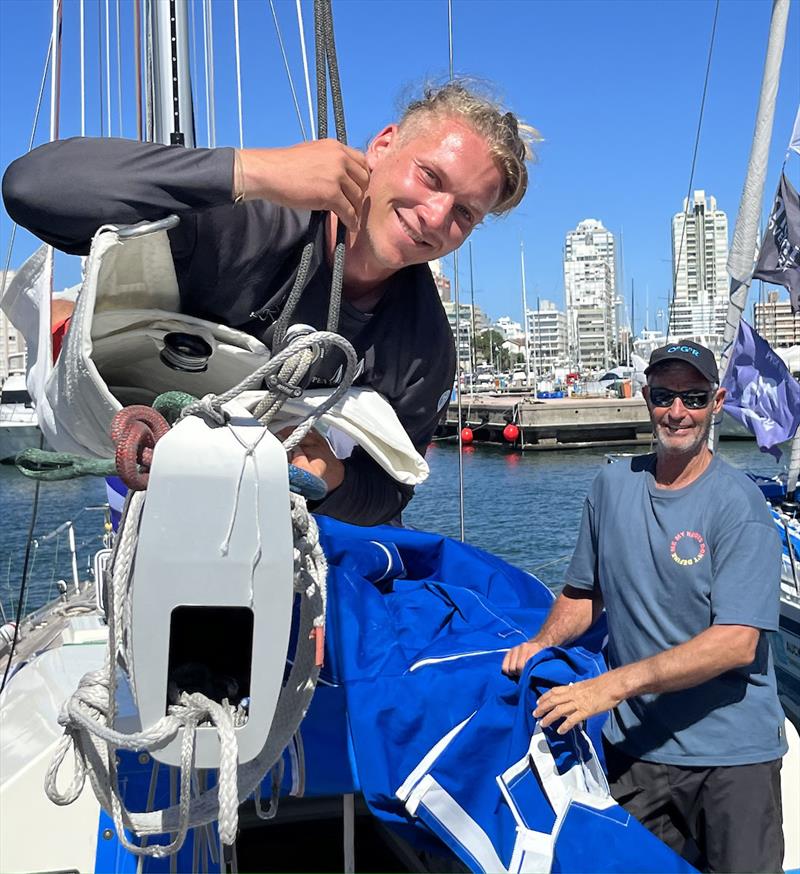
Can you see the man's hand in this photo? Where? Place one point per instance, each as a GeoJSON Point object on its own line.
{"type": "Point", "coordinates": [577, 702]}
{"type": "Point", "coordinates": [319, 175]}
{"type": "Point", "coordinates": [315, 455]}
{"type": "Point", "coordinates": [516, 658]}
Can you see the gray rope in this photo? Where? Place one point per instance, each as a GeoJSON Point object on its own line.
{"type": "Point", "coordinates": [333, 74]}
{"type": "Point", "coordinates": [211, 405]}
{"type": "Point", "coordinates": [284, 320]}
{"type": "Point", "coordinates": [320, 23]}
{"type": "Point", "coordinates": [326, 62]}
{"type": "Point", "coordinates": [328, 69]}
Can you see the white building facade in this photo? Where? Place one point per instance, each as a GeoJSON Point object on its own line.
{"type": "Point", "coordinates": [547, 333]}
{"type": "Point", "coordinates": [12, 343]}
{"type": "Point", "coordinates": [510, 329]}
{"type": "Point", "coordinates": [469, 325]}
{"type": "Point", "coordinates": [699, 256]}
{"type": "Point", "coordinates": [776, 322]}
{"type": "Point", "coordinates": [590, 292]}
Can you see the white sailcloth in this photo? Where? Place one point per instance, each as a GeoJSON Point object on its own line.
{"type": "Point", "coordinates": [26, 303]}
{"type": "Point", "coordinates": [110, 357]}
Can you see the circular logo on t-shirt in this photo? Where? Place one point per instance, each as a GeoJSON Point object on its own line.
{"type": "Point", "coordinates": [687, 548]}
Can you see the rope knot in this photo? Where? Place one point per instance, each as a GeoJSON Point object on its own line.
{"type": "Point", "coordinates": [135, 431]}
{"type": "Point", "coordinates": [209, 405]}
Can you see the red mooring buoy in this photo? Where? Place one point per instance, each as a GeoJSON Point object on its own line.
{"type": "Point", "coordinates": [466, 435]}
{"type": "Point", "coordinates": [511, 432]}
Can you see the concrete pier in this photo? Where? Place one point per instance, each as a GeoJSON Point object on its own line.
{"type": "Point", "coordinates": [563, 423]}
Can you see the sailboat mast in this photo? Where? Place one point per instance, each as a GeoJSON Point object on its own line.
{"type": "Point", "coordinates": [745, 234]}
{"type": "Point", "coordinates": [174, 118]}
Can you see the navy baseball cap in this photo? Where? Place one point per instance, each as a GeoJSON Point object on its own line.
{"type": "Point", "coordinates": [698, 356]}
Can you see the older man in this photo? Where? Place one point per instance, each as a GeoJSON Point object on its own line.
{"type": "Point", "coordinates": [680, 549]}
{"type": "Point", "coordinates": [415, 195]}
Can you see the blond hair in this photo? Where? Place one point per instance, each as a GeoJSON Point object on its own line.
{"type": "Point", "coordinates": [510, 141]}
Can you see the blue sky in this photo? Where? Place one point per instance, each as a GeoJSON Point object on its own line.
{"type": "Point", "coordinates": [614, 87]}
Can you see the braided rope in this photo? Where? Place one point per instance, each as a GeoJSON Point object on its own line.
{"type": "Point", "coordinates": [211, 405]}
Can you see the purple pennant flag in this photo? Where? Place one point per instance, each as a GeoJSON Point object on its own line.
{"type": "Point", "coordinates": [762, 394]}
{"type": "Point", "coordinates": [779, 258]}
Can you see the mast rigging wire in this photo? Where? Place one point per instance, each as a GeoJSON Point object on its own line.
{"type": "Point", "coordinates": [458, 319]}
{"type": "Point", "coordinates": [119, 71]}
{"type": "Point", "coordinates": [193, 77]}
{"type": "Point", "coordinates": [288, 71]}
{"type": "Point", "coordinates": [83, 70]}
{"type": "Point", "coordinates": [24, 584]}
{"type": "Point", "coordinates": [691, 174]}
{"type": "Point", "coordinates": [208, 27]}
{"type": "Point", "coordinates": [55, 78]}
{"type": "Point", "coordinates": [31, 139]}
{"type": "Point", "coordinates": [100, 65]}
{"type": "Point", "coordinates": [54, 54]}
{"type": "Point", "coordinates": [304, 54]}
{"type": "Point", "coordinates": [149, 73]}
{"type": "Point", "coordinates": [108, 68]}
{"type": "Point", "coordinates": [238, 70]}
{"type": "Point", "coordinates": [137, 63]}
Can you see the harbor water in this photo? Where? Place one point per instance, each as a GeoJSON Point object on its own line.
{"type": "Point", "coordinates": [523, 507]}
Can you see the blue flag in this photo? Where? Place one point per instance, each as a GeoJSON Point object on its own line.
{"type": "Point", "coordinates": [762, 394]}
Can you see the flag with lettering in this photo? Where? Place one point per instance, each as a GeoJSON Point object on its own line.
{"type": "Point", "coordinates": [761, 393]}
{"type": "Point", "coordinates": [779, 258]}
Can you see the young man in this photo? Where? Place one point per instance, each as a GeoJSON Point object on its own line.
{"type": "Point", "coordinates": [681, 550]}
{"type": "Point", "coordinates": [415, 195]}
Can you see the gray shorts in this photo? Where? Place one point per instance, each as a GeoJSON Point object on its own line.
{"type": "Point", "coordinates": [718, 818]}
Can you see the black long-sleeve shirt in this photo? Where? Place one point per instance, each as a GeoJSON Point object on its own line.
{"type": "Point", "coordinates": [232, 261]}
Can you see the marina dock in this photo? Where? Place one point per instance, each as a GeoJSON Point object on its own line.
{"type": "Point", "coordinates": [578, 422]}
{"type": "Point", "coordinates": [558, 423]}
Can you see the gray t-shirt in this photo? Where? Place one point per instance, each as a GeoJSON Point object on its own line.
{"type": "Point", "coordinates": [670, 563]}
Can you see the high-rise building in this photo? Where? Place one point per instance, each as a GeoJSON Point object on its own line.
{"type": "Point", "coordinates": [699, 256]}
{"type": "Point", "coordinates": [547, 333]}
{"type": "Point", "coordinates": [590, 282]}
{"type": "Point", "coordinates": [776, 322]}
{"type": "Point", "coordinates": [470, 325]}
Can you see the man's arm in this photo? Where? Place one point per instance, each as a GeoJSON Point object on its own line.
{"type": "Point", "coordinates": [718, 649]}
{"type": "Point", "coordinates": [573, 613]}
{"type": "Point", "coordinates": [63, 191]}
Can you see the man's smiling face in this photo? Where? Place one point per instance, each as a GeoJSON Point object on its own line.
{"type": "Point", "coordinates": [678, 429]}
{"type": "Point", "coordinates": [429, 186]}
